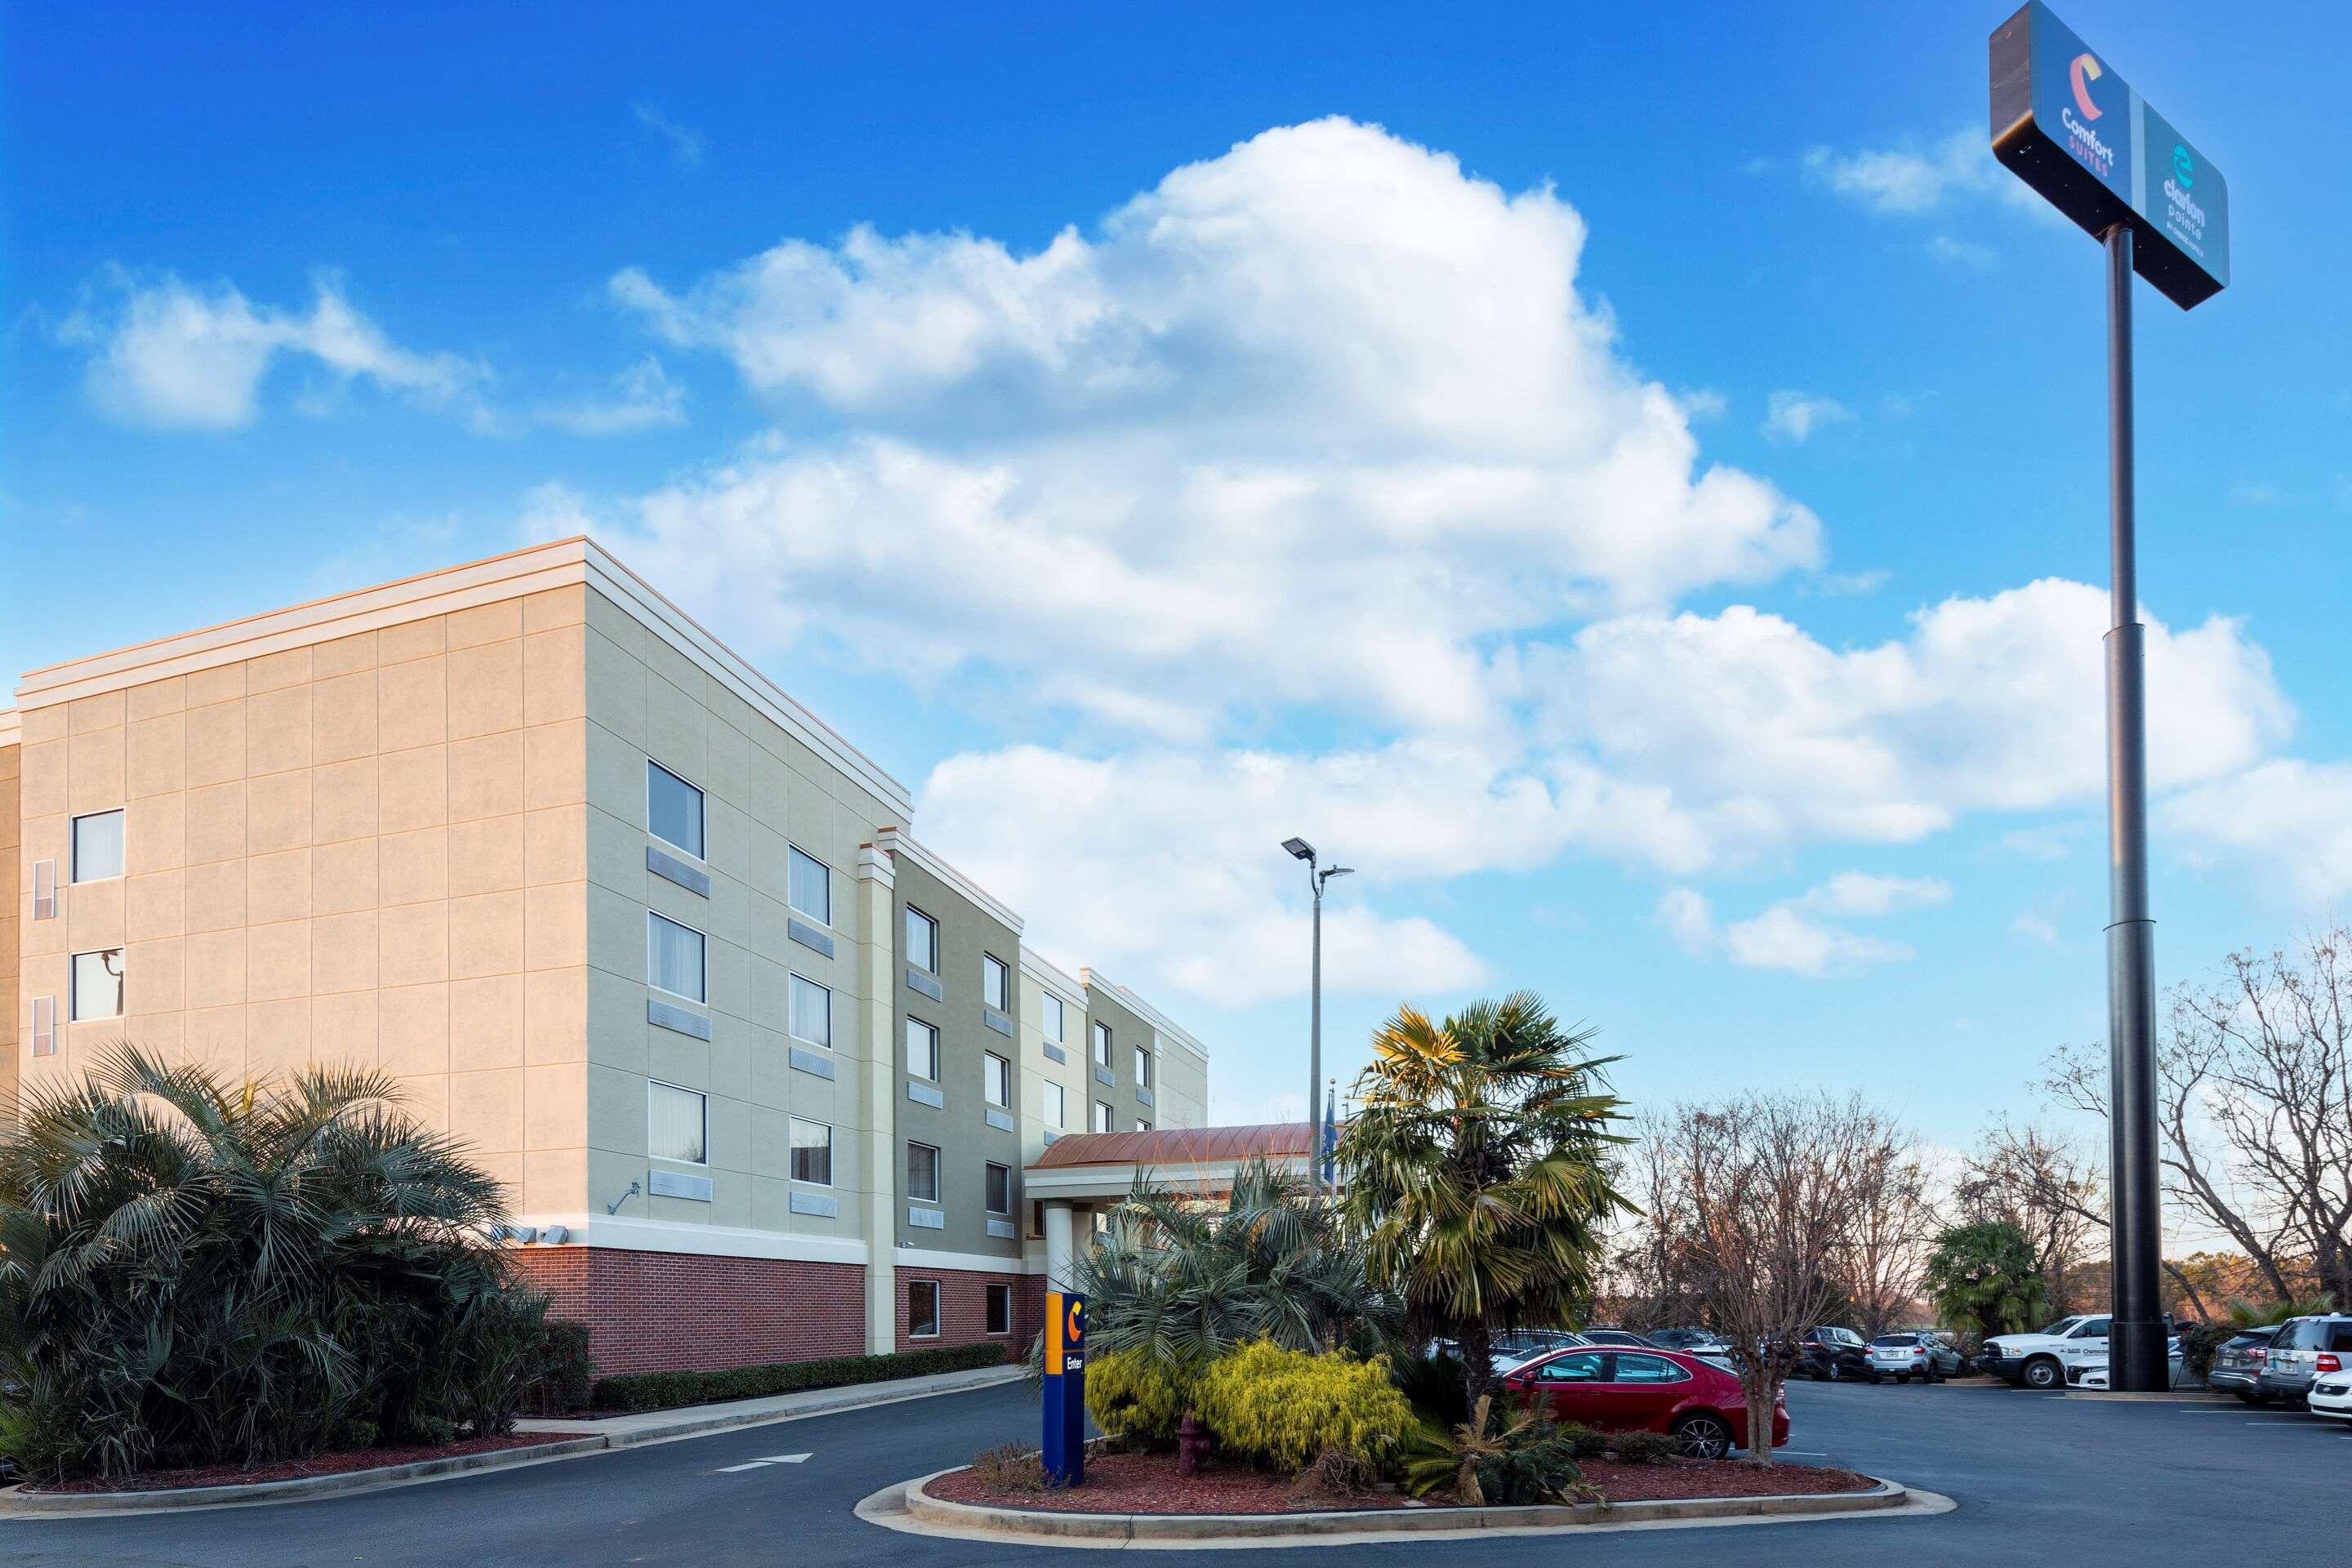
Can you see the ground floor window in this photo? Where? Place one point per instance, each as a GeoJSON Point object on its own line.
{"type": "Point", "coordinates": [922, 1309]}
{"type": "Point", "coordinates": [1000, 1309]}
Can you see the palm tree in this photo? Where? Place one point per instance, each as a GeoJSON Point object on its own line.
{"type": "Point", "coordinates": [1185, 1282]}
{"type": "Point", "coordinates": [1475, 1169]}
{"type": "Point", "coordinates": [194, 1274]}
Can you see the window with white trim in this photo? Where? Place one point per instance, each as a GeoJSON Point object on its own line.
{"type": "Point", "coordinates": [811, 1151]}
{"type": "Point", "coordinates": [678, 1124]}
{"type": "Point", "coordinates": [808, 885]}
{"type": "Point", "coordinates": [999, 1188]}
{"type": "Point", "coordinates": [673, 809]}
{"type": "Point", "coordinates": [1000, 1309]}
{"type": "Point", "coordinates": [97, 985]}
{"type": "Point", "coordinates": [98, 846]}
{"type": "Point", "coordinates": [1102, 1045]}
{"type": "Point", "coordinates": [1141, 1125]}
{"type": "Point", "coordinates": [996, 1079]}
{"type": "Point", "coordinates": [1053, 1104]}
{"type": "Point", "coordinates": [674, 960]}
{"type": "Point", "coordinates": [1102, 1116]}
{"type": "Point", "coordinates": [1143, 1067]}
{"type": "Point", "coordinates": [1049, 1019]}
{"type": "Point", "coordinates": [922, 939]}
{"type": "Point", "coordinates": [995, 982]}
{"type": "Point", "coordinates": [922, 1309]}
{"type": "Point", "coordinates": [922, 1173]}
{"type": "Point", "coordinates": [812, 1019]}
{"type": "Point", "coordinates": [922, 1049]}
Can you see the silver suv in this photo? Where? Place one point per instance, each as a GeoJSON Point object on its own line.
{"type": "Point", "coordinates": [2305, 1348]}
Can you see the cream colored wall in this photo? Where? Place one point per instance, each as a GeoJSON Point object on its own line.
{"type": "Point", "coordinates": [370, 849]}
{"type": "Point", "coordinates": [1184, 1089]}
{"type": "Point", "coordinates": [763, 789]}
{"type": "Point", "coordinates": [11, 836]}
{"type": "Point", "coordinates": [1037, 1068]}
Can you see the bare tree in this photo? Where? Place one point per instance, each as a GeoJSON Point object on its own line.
{"type": "Point", "coordinates": [1891, 1226]}
{"type": "Point", "coordinates": [2254, 1108]}
{"type": "Point", "coordinates": [1769, 1185]}
{"type": "Point", "coordinates": [1650, 1273]}
{"type": "Point", "coordinates": [2049, 1187]}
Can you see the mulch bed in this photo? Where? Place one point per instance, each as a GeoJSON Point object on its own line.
{"type": "Point", "coordinates": [335, 1464]}
{"type": "Point", "coordinates": [1147, 1483]}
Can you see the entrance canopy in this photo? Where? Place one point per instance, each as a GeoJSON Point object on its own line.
{"type": "Point", "coordinates": [1084, 1167]}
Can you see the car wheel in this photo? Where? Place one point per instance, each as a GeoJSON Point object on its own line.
{"type": "Point", "coordinates": [1832, 1373]}
{"type": "Point", "coordinates": [2253, 1398]}
{"type": "Point", "coordinates": [1928, 1375]}
{"type": "Point", "coordinates": [1703, 1436]}
{"type": "Point", "coordinates": [2043, 1373]}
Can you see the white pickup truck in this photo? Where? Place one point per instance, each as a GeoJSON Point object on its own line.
{"type": "Point", "coordinates": [2041, 1360]}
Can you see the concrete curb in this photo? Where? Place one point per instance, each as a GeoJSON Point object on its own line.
{"type": "Point", "coordinates": [701, 1420]}
{"type": "Point", "coordinates": [1046, 1525]}
{"type": "Point", "coordinates": [17, 1500]}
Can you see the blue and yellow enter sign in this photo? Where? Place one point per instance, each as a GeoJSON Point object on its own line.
{"type": "Point", "coordinates": [1066, 1388]}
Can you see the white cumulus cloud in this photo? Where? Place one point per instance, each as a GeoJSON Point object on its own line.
{"type": "Point", "coordinates": [1793, 417]}
{"type": "Point", "coordinates": [170, 354]}
{"type": "Point", "coordinates": [2285, 825]}
{"type": "Point", "coordinates": [1796, 934]}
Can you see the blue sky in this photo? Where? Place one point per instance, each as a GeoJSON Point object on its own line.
{"type": "Point", "coordinates": [1586, 468]}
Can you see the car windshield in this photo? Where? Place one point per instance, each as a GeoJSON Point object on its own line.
{"type": "Point", "coordinates": [2060, 1327]}
{"type": "Point", "coordinates": [1893, 1339]}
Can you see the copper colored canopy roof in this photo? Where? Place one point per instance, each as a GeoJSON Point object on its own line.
{"type": "Point", "coordinates": [1179, 1145]}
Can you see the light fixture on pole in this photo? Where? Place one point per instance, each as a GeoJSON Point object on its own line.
{"type": "Point", "coordinates": [1316, 878]}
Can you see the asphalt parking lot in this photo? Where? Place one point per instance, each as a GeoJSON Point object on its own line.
{"type": "Point", "coordinates": [2039, 1480]}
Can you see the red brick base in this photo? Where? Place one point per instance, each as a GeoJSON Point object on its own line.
{"type": "Point", "coordinates": [964, 1309]}
{"type": "Point", "coordinates": [673, 1311]}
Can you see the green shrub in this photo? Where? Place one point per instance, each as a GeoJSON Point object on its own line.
{"type": "Point", "coordinates": [1582, 1441]}
{"type": "Point", "coordinates": [1497, 1457]}
{"type": "Point", "coordinates": [1282, 1408]}
{"type": "Point", "coordinates": [561, 1372]}
{"type": "Point", "coordinates": [1135, 1398]}
{"type": "Point", "coordinates": [1643, 1447]}
{"type": "Point", "coordinates": [1432, 1385]}
{"type": "Point", "coordinates": [663, 1390]}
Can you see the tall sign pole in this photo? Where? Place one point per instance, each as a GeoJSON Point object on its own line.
{"type": "Point", "coordinates": [1063, 1451]}
{"type": "Point", "coordinates": [2074, 131]}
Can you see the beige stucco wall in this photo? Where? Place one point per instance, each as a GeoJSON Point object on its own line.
{"type": "Point", "coordinates": [11, 837]}
{"type": "Point", "coordinates": [369, 849]}
{"type": "Point", "coordinates": [764, 790]}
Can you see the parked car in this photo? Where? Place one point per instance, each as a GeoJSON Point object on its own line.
{"type": "Point", "coordinates": [2330, 1395]}
{"type": "Point", "coordinates": [1689, 1398]}
{"type": "Point", "coordinates": [1830, 1354]}
{"type": "Point", "coordinates": [1516, 1345]}
{"type": "Point", "coordinates": [2093, 1375]}
{"type": "Point", "coordinates": [1906, 1355]}
{"type": "Point", "coordinates": [2238, 1362]}
{"type": "Point", "coordinates": [1692, 1341]}
{"type": "Point", "coordinates": [2304, 1350]}
{"type": "Point", "coordinates": [2041, 1359]}
{"type": "Point", "coordinates": [1626, 1337]}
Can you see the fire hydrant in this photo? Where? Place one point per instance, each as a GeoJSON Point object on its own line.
{"type": "Point", "coordinates": [1191, 1442]}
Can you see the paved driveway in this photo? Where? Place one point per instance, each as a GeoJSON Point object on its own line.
{"type": "Point", "coordinates": [2038, 1480]}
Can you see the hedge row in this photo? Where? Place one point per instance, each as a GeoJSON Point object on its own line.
{"type": "Point", "coordinates": [662, 1390]}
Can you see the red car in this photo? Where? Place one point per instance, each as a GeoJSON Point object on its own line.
{"type": "Point", "coordinates": [1699, 1405]}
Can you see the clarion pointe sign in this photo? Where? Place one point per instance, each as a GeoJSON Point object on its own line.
{"type": "Point", "coordinates": [2071, 128]}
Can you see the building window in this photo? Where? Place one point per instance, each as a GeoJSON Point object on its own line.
{"type": "Point", "coordinates": [1037, 1216]}
{"type": "Point", "coordinates": [999, 1188]}
{"type": "Point", "coordinates": [673, 810]}
{"type": "Point", "coordinates": [995, 982]}
{"type": "Point", "coordinates": [1102, 1117]}
{"type": "Point", "coordinates": [922, 939]}
{"type": "Point", "coordinates": [98, 846]}
{"type": "Point", "coordinates": [922, 1173]}
{"type": "Point", "coordinates": [812, 1152]}
{"type": "Point", "coordinates": [922, 1309]}
{"type": "Point", "coordinates": [677, 1125]}
{"type": "Point", "coordinates": [1054, 1101]}
{"type": "Point", "coordinates": [1000, 1309]}
{"type": "Point", "coordinates": [1102, 1045]}
{"type": "Point", "coordinates": [808, 885]}
{"type": "Point", "coordinates": [1143, 1067]}
{"type": "Point", "coordinates": [97, 985]}
{"type": "Point", "coordinates": [1102, 1222]}
{"type": "Point", "coordinates": [812, 1017]}
{"type": "Point", "coordinates": [674, 957]}
{"type": "Point", "coordinates": [1141, 1125]}
{"type": "Point", "coordinates": [996, 1079]}
{"type": "Point", "coordinates": [922, 1049]}
{"type": "Point", "coordinates": [1050, 1007]}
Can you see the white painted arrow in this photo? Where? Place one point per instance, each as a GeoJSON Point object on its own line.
{"type": "Point", "coordinates": [755, 1464]}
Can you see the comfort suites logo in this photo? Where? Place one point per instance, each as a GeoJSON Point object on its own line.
{"type": "Point", "coordinates": [2080, 75]}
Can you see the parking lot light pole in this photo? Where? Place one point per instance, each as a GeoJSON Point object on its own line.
{"type": "Point", "coordinates": [1315, 879]}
